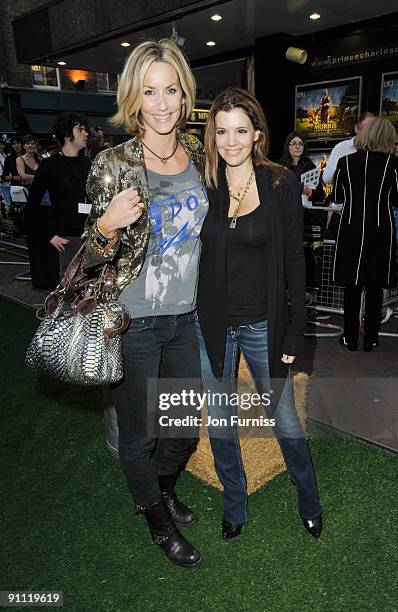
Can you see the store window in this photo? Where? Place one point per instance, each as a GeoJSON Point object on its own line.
{"type": "Point", "coordinates": [107, 81]}
{"type": "Point", "coordinates": [45, 76]}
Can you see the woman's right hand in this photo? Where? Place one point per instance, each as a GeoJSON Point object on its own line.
{"type": "Point", "coordinates": [124, 209]}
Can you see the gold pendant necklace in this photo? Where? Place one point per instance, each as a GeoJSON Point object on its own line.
{"type": "Point", "coordinates": [239, 198]}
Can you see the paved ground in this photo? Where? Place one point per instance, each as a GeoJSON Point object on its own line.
{"type": "Point", "coordinates": [350, 392]}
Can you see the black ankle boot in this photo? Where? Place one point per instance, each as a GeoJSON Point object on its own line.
{"type": "Point", "coordinates": [180, 513]}
{"type": "Point", "coordinates": [369, 343]}
{"type": "Point", "coordinates": [166, 535]}
{"type": "Point", "coordinates": [230, 530]}
{"type": "Point", "coordinates": [348, 342]}
{"type": "Point", "coordinates": [314, 526]}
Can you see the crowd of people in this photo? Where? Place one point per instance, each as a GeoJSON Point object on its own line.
{"type": "Point", "coordinates": [207, 243]}
{"type": "Point", "coordinates": [32, 150]}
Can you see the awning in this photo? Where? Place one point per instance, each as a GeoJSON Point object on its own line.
{"type": "Point", "coordinates": [40, 123]}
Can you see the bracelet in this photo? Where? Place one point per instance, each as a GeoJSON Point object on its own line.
{"type": "Point", "coordinates": [102, 241]}
{"type": "Point", "coordinates": [99, 231]}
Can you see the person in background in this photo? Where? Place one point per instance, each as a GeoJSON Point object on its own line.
{"type": "Point", "coordinates": [346, 147]}
{"type": "Point", "coordinates": [99, 134]}
{"type": "Point", "coordinates": [365, 257]}
{"type": "Point", "coordinates": [10, 172]}
{"type": "Point", "coordinates": [64, 177]}
{"type": "Point", "coordinates": [295, 157]}
{"type": "Point", "coordinates": [251, 297]}
{"type": "Point", "coordinates": [93, 147]}
{"type": "Point", "coordinates": [396, 209]}
{"type": "Point", "coordinates": [3, 156]}
{"type": "Point", "coordinates": [28, 163]}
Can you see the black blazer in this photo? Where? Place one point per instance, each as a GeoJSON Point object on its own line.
{"type": "Point", "coordinates": [285, 268]}
{"type": "Point", "coordinates": [367, 183]}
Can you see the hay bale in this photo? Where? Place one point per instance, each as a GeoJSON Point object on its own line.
{"type": "Point", "coordinates": [261, 456]}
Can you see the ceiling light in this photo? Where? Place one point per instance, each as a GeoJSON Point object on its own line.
{"type": "Point", "coordinates": [61, 63]}
{"type": "Point", "coordinates": [125, 44]}
{"type": "Point", "coordinates": [216, 17]}
{"type": "Point", "coordinates": [315, 16]}
{"type": "Point", "coordinates": [210, 43]}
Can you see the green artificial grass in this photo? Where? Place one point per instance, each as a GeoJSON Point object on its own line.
{"type": "Point", "coordinates": [68, 522]}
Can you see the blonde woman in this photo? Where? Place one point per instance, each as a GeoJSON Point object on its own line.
{"type": "Point", "coordinates": [148, 209]}
{"type": "Point", "coordinates": [367, 183]}
{"type": "Point", "coordinates": [252, 256]}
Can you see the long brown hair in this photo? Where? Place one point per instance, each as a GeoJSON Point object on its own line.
{"type": "Point", "coordinates": [234, 97]}
{"type": "Point", "coordinates": [286, 159]}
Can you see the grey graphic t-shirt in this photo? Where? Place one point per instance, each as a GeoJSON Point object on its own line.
{"type": "Point", "coordinates": [168, 279]}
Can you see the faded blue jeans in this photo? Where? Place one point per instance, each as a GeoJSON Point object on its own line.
{"type": "Point", "coordinates": [251, 340]}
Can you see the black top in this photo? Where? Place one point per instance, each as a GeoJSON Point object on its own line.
{"type": "Point", "coordinates": [283, 268]}
{"type": "Point", "coordinates": [10, 167]}
{"type": "Point", "coordinates": [302, 167]}
{"type": "Point", "coordinates": [65, 179]}
{"type": "Point", "coordinates": [246, 277]}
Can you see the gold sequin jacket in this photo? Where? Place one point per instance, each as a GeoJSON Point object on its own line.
{"type": "Point", "coordinates": [113, 170]}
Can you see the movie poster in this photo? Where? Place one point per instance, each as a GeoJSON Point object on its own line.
{"type": "Point", "coordinates": [389, 97]}
{"type": "Point", "coordinates": [320, 158]}
{"type": "Point", "coordinates": [328, 110]}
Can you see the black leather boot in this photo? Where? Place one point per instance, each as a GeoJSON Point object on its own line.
{"type": "Point", "coordinates": [180, 513]}
{"type": "Point", "coordinates": [230, 530]}
{"type": "Point", "coordinates": [349, 342]}
{"type": "Point", "coordinates": [314, 526]}
{"type": "Point", "coordinates": [369, 343]}
{"type": "Point", "coordinates": [166, 535]}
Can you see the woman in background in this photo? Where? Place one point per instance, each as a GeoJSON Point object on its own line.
{"type": "Point", "coordinates": [295, 157]}
{"type": "Point", "coordinates": [10, 172]}
{"type": "Point", "coordinates": [28, 162]}
{"type": "Point", "coordinates": [365, 257]}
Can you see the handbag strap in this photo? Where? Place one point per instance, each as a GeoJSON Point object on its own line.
{"type": "Point", "coordinates": [72, 268]}
{"type": "Point", "coordinates": [89, 291]}
{"type": "Point", "coordinates": [111, 332]}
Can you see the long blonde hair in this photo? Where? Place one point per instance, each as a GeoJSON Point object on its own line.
{"type": "Point", "coordinates": [130, 88]}
{"type": "Point", "coordinates": [378, 136]}
{"type": "Point", "coordinates": [234, 97]}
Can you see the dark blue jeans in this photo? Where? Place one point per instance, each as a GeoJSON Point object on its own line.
{"type": "Point", "coordinates": [153, 347]}
{"type": "Point", "coordinates": [251, 340]}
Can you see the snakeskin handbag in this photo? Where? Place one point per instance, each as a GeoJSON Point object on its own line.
{"type": "Point", "coordinates": [79, 339]}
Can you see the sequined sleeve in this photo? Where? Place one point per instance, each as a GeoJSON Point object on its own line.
{"type": "Point", "coordinates": [101, 189]}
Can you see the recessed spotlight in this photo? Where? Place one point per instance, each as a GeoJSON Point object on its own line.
{"type": "Point", "coordinates": [315, 16]}
{"type": "Point", "coordinates": [61, 63]}
{"type": "Point", "coordinates": [210, 43]}
{"type": "Point", "coordinates": [216, 17]}
{"type": "Point", "coordinates": [125, 44]}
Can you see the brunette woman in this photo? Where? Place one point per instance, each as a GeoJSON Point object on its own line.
{"type": "Point", "coordinates": [10, 172]}
{"type": "Point", "coordinates": [28, 162]}
{"type": "Point", "coordinates": [252, 259]}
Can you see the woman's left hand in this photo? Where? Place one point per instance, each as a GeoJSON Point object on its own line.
{"type": "Point", "coordinates": [288, 358]}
